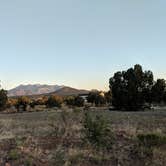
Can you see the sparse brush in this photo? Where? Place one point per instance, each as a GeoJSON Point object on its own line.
{"type": "Point", "coordinates": [14, 155]}
{"type": "Point", "coordinates": [28, 162]}
{"type": "Point", "coordinates": [97, 131]}
{"type": "Point", "coordinates": [58, 158]}
{"type": "Point", "coordinates": [151, 140]}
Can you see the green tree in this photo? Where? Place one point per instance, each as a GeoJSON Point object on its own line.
{"type": "Point", "coordinates": [41, 100]}
{"type": "Point", "coordinates": [79, 101]}
{"type": "Point", "coordinates": [158, 91]}
{"type": "Point", "coordinates": [108, 97]}
{"type": "Point", "coordinates": [22, 103]}
{"type": "Point", "coordinates": [92, 96]}
{"type": "Point", "coordinates": [97, 98]}
{"type": "Point", "coordinates": [54, 101]}
{"type": "Point", "coordinates": [70, 100]}
{"type": "Point", "coordinates": [3, 98]}
{"type": "Point", "coordinates": [75, 101]}
{"type": "Point", "coordinates": [130, 89]}
{"type": "Point", "coordinates": [97, 131]}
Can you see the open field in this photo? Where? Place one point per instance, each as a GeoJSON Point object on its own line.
{"type": "Point", "coordinates": [53, 138]}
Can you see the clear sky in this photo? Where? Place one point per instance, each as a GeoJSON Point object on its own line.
{"type": "Point", "coordinates": [79, 43]}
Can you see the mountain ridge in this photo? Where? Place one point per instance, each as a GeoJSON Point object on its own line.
{"type": "Point", "coordinates": [33, 89]}
{"type": "Point", "coordinates": [44, 89]}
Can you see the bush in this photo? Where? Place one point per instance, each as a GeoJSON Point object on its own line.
{"type": "Point", "coordinates": [69, 101]}
{"type": "Point", "coordinates": [97, 132]}
{"type": "Point", "coordinates": [22, 102]}
{"type": "Point", "coordinates": [58, 158]}
{"type": "Point", "coordinates": [76, 159]}
{"type": "Point", "coordinates": [28, 162]}
{"type": "Point", "coordinates": [97, 98]}
{"type": "Point", "coordinates": [150, 140]}
{"type": "Point", "coordinates": [32, 104]}
{"type": "Point", "coordinates": [54, 101]}
{"type": "Point", "coordinates": [41, 101]}
{"type": "Point", "coordinates": [14, 155]}
{"type": "Point", "coordinates": [75, 101]}
{"type": "Point", "coordinates": [11, 102]}
{"type": "Point", "coordinates": [79, 101]}
{"type": "Point", "coordinates": [3, 98]}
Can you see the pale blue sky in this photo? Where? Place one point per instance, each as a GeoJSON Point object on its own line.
{"type": "Point", "coordinates": [79, 43]}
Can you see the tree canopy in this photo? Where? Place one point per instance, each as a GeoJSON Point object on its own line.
{"type": "Point", "coordinates": [3, 98]}
{"type": "Point", "coordinates": [54, 101]}
{"type": "Point", "coordinates": [130, 89]}
{"type": "Point", "coordinates": [97, 98]}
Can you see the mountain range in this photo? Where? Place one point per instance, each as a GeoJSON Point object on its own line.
{"type": "Point", "coordinates": [38, 89]}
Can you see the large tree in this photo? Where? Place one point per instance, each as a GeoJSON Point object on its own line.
{"type": "Point", "coordinates": [158, 91]}
{"type": "Point", "coordinates": [130, 89]}
{"type": "Point", "coordinates": [3, 98]}
{"type": "Point", "coordinates": [97, 98]}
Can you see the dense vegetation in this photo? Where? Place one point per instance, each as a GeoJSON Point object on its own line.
{"type": "Point", "coordinates": [74, 101]}
{"type": "Point", "coordinates": [134, 88]}
{"type": "Point", "coordinates": [3, 98]}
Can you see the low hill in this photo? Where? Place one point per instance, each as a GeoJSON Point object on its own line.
{"type": "Point", "coordinates": [68, 91]}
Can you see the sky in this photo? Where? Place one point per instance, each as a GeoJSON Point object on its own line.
{"type": "Point", "coordinates": [79, 43]}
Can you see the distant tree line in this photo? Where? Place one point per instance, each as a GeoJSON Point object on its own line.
{"type": "Point", "coordinates": [22, 103]}
{"type": "Point", "coordinates": [134, 88]}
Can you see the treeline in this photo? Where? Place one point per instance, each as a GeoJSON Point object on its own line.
{"type": "Point", "coordinates": [24, 103]}
{"type": "Point", "coordinates": [134, 89]}
{"type": "Point", "coordinates": [53, 101]}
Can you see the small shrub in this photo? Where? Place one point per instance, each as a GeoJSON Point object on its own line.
{"type": "Point", "coordinates": [19, 141]}
{"type": "Point", "coordinates": [99, 160]}
{"type": "Point", "coordinates": [11, 102]}
{"type": "Point", "coordinates": [14, 155]}
{"type": "Point", "coordinates": [97, 132]}
{"type": "Point", "coordinates": [59, 127]}
{"type": "Point", "coordinates": [77, 110]}
{"type": "Point", "coordinates": [76, 159]}
{"type": "Point", "coordinates": [28, 162]}
{"type": "Point", "coordinates": [69, 101]}
{"type": "Point", "coordinates": [41, 101]}
{"type": "Point", "coordinates": [147, 144]}
{"type": "Point", "coordinates": [151, 140]}
{"type": "Point", "coordinates": [79, 101]}
{"type": "Point", "coordinates": [58, 158]}
{"type": "Point", "coordinates": [32, 104]}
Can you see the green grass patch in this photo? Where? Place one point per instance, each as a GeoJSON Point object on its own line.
{"type": "Point", "coordinates": [151, 140]}
{"type": "Point", "coordinates": [14, 154]}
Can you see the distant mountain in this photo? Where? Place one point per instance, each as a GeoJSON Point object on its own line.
{"type": "Point", "coordinates": [68, 91]}
{"type": "Point", "coordinates": [36, 89]}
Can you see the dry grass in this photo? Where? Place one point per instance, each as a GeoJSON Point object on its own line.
{"type": "Point", "coordinates": [51, 138]}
